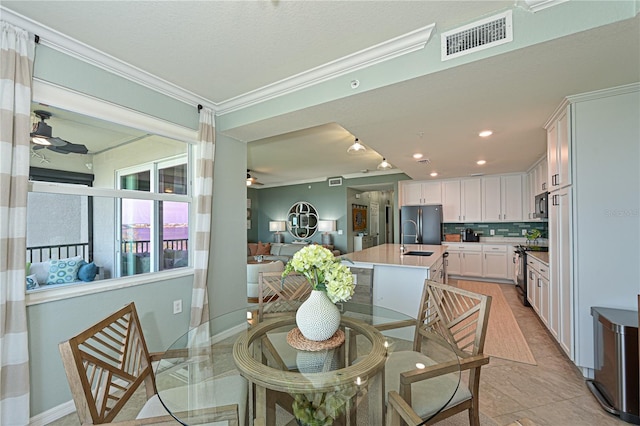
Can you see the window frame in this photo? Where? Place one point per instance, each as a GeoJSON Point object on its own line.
{"type": "Point", "coordinates": [54, 95]}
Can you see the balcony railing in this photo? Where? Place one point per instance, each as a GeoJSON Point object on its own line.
{"type": "Point", "coordinates": [143, 246]}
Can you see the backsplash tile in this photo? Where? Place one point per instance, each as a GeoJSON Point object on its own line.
{"type": "Point", "coordinates": [502, 229]}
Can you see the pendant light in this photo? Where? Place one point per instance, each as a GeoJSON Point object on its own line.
{"type": "Point", "coordinates": [384, 165]}
{"type": "Point", "coordinates": [356, 147]}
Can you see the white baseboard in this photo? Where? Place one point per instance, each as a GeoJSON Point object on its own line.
{"type": "Point", "coordinates": [53, 414]}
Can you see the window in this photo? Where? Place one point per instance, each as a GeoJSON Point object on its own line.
{"type": "Point", "coordinates": [154, 234]}
{"type": "Point", "coordinates": [129, 215]}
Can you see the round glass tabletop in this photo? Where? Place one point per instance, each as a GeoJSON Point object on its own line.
{"type": "Point", "coordinates": [204, 376]}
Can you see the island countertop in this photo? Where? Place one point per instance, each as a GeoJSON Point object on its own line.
{"type": "Point", "coordinates": [390, 255]}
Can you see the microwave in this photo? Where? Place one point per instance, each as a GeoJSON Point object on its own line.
{"type": "Point", "coordinates": [542, 206]}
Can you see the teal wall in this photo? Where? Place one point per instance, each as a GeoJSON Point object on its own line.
{"type": "Point", "coordinates": [331, 202]}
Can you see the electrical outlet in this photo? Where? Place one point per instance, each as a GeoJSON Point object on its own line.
{"type": "Point", "coordinates": [492, 232]}
{"type": "Point", "coordinates": [524, 232]}
{"type": "Point", "coordinates": [177, 306]}
{"type": "Point", "coordinates": [339, 231]}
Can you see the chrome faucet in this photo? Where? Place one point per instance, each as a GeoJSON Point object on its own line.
{"type": "Point", "coordinates": [415, 227]}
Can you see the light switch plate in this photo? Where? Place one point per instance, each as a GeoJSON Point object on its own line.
{"type": "Point", "coordinates": [177, 306]}
{"type": "Point", "coordinates": [524, 232]}
{"type": "Point", "coordinates": [492, 232]}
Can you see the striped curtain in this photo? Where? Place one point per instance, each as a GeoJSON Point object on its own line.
{"type": "Point", "coordinates": [203, 190]}
{"type": "Point", "coordinates": [16, 65]}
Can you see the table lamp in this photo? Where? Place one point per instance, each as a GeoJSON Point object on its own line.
{"type": "Point", "coordinates": [277, 226]}
{"type": "Point", "coordinates": [326, 226]}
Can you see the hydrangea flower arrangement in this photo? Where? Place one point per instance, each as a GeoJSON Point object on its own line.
{"type": "Point", "coordinates": [323, 271]}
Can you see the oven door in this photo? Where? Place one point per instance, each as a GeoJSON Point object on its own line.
{"type": "Point", "coordinates": [521, 276]}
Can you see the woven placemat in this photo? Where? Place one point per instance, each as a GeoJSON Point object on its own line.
{"type": "Point", "coordinates": [298, 341]}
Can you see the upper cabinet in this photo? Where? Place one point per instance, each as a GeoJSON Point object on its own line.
{"type": "Point", "coordinates": [502, 198]}
{"type": "Point", "coordinates": [461, 200]}
{"type": "Point", "coordinates": [418, 193]}
{"type": "Point", "coordinates": [558, 150]}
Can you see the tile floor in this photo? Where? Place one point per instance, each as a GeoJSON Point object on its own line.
{"type": "Point", "coordinates": [550, 393]}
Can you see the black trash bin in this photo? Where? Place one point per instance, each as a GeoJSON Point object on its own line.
{"type": "Point", "coordinates": [615, 384]}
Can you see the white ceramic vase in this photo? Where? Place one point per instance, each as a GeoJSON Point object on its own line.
{"type": "Point", "coordinates": [318, 318]}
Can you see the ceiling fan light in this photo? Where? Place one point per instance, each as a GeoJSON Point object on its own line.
{"type": "Point", "coordinates": [384, 165]}
{"type": "Point", "coordinates": [39, 140]}
{"type": "Point", "coordinates": [356, 147]}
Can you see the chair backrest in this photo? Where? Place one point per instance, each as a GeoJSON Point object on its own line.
{"type": "Point", "coordinates": [105, 364]}
{"type": "Point", "coordinates": [277, 295]}
{"type": "Point", "coordinates": [459, 316]}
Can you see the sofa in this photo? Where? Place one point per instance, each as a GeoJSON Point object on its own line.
{"type": "Point", "coordinates": [278, 251]}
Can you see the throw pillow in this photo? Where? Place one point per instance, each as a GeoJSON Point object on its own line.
{"type": "Point", "coordinates": [263, 249]}
{"type": "Point", "coordinates": [64, 270]}
{"type": "Point", "coordinates": [32, 282]}
{"type": "Point", "coordinates": [40, 270]}
{"type": "Point", "coordinates": [253, 249]}
{"type": "Point", "coordinates": [87, 272]}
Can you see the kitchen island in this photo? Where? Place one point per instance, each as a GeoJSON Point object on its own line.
{"type": "Point", "coordinates": [398, 278]}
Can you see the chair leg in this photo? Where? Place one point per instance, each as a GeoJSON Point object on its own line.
{"type": "Point", "coordinates": [474, 415]}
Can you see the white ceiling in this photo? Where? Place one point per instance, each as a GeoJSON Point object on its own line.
{"type": "Point", "coordinates": [220, 50]}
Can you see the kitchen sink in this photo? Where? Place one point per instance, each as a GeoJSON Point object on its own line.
{"type": "Point", "coordinates": [418, 253]}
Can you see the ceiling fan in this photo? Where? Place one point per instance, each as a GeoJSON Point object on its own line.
{"type": "Point", "coordinates": [41, 137]}
{"type": "Point", "coordinates": [251, 180]}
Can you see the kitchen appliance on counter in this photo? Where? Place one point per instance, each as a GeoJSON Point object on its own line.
{"type": "Point", "coordinates": [469, 236]}
{"type": "Point", "coordinates": [421, 224]}
{"type": "Point", "coordinates": [542, 206]}
{"type": "Point", "coordinates": [520, 270]}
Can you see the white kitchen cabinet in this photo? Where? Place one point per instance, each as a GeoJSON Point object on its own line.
{"type": "Point", "coordinates": [511, 264]}
{"type": "Point", "coordinates": [462, 200]}
{"type": "Point", "coordinates": [361, 242]}
{"type": "Point", "coordinates": [560, 262]}
{"type": "Point", "coordinates": [465, 260]}
{"type": "Point", "coordinates": [495, 261]}
{"type": "Point", "coordinates": [538, 283]}
{"type": "Point", "coordinates": [502, 198]}
{"type": "Point", "coordinates": [451, 201]}
{"type": "Point", "coordinates": [541, 177]}
{"type": "Point", "coordinates": [419, 193]}
{"type": "Point", "coordinates": [559, 149]}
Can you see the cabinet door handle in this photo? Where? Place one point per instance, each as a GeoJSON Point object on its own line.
{"type": "Point", "coordinates": [554, 200]}
{"type": "Point", "coordinates": [544, 186]}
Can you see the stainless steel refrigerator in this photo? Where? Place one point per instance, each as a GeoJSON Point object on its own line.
{"type": "Point", "coordinates": [421, 224]}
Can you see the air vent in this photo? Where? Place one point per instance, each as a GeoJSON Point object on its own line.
{"type": "Point", "coordinates": [477, 36]}
{"type": "Point", "coordinates": [424, 161]}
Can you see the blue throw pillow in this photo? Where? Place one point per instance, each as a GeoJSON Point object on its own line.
{"type": "Point", "coordinates": [64, 270]}
{"type": "Point", "coordinates": [87, 272]}
{"type": "Point", "coordinates": [32, 282]}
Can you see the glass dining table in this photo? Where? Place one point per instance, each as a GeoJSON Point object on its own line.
{"type": "Point", "coordinates": [236, 367]}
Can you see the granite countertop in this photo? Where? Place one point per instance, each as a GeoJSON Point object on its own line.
{"type": "Point", "coordinates": [389, 255]}
{"type": "Point", "coordinates": [542, 256]}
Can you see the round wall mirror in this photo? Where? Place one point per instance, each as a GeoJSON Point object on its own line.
{"type": "Point", "coordinates": [302, 220]}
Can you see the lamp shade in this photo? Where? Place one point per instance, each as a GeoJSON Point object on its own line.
{"type": "Point", "coordinates": [326, 225]}
{"type": "Point", "coordinates": [277, 225]}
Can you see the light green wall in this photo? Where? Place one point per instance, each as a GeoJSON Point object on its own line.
{"type": "Point", "coordinates": [252, 234]}
{"type": "Point", "coordinates": [56, 67]}
{"type": "Point", "coordinates": [529, 29]}
{"type": "Point", "coordinates": [53, 322]}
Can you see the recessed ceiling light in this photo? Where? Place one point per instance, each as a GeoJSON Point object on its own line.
{"type": "Point", "coordinates": [485, 133]}
{"type": "Point", "coordinates": [433, 174]}
{"type": "Point", "coordinates": [481, 162]}
{"type": "Point", "coordinates": [417, 156]}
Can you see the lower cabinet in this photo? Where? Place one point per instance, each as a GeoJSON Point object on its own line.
{"type": "Point", "coordinates": [465, 260]}
{"type": "Point", "coordinates": [436, 272]}
{"type": "Point", "coordinates": [539, 292]}
{"type": "Point", "coordinates": [494, 258]}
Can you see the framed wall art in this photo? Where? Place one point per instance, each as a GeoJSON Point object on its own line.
{"type": "Point", "coordinates": [359, 215]}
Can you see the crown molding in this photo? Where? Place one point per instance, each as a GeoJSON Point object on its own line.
{"type": "Point", "coordinates": [78, 50]}
{"type": "Point", "coordinates": [538, 5]}
{"type": "Point", "coordinates": [393, 48]}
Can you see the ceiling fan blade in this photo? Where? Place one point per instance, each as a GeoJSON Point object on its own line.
{"type": "Point", "coordinates": [56, 141]}
{"type": "Point", "coordinates": [254, 181]}
{"type": "Point", "coordinates": [73, 148]}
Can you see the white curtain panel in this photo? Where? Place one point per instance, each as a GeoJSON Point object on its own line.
{"type": "Point", "coordinates": [16, 65]}
{"type": "Point", "coordinates": [203, 190]}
